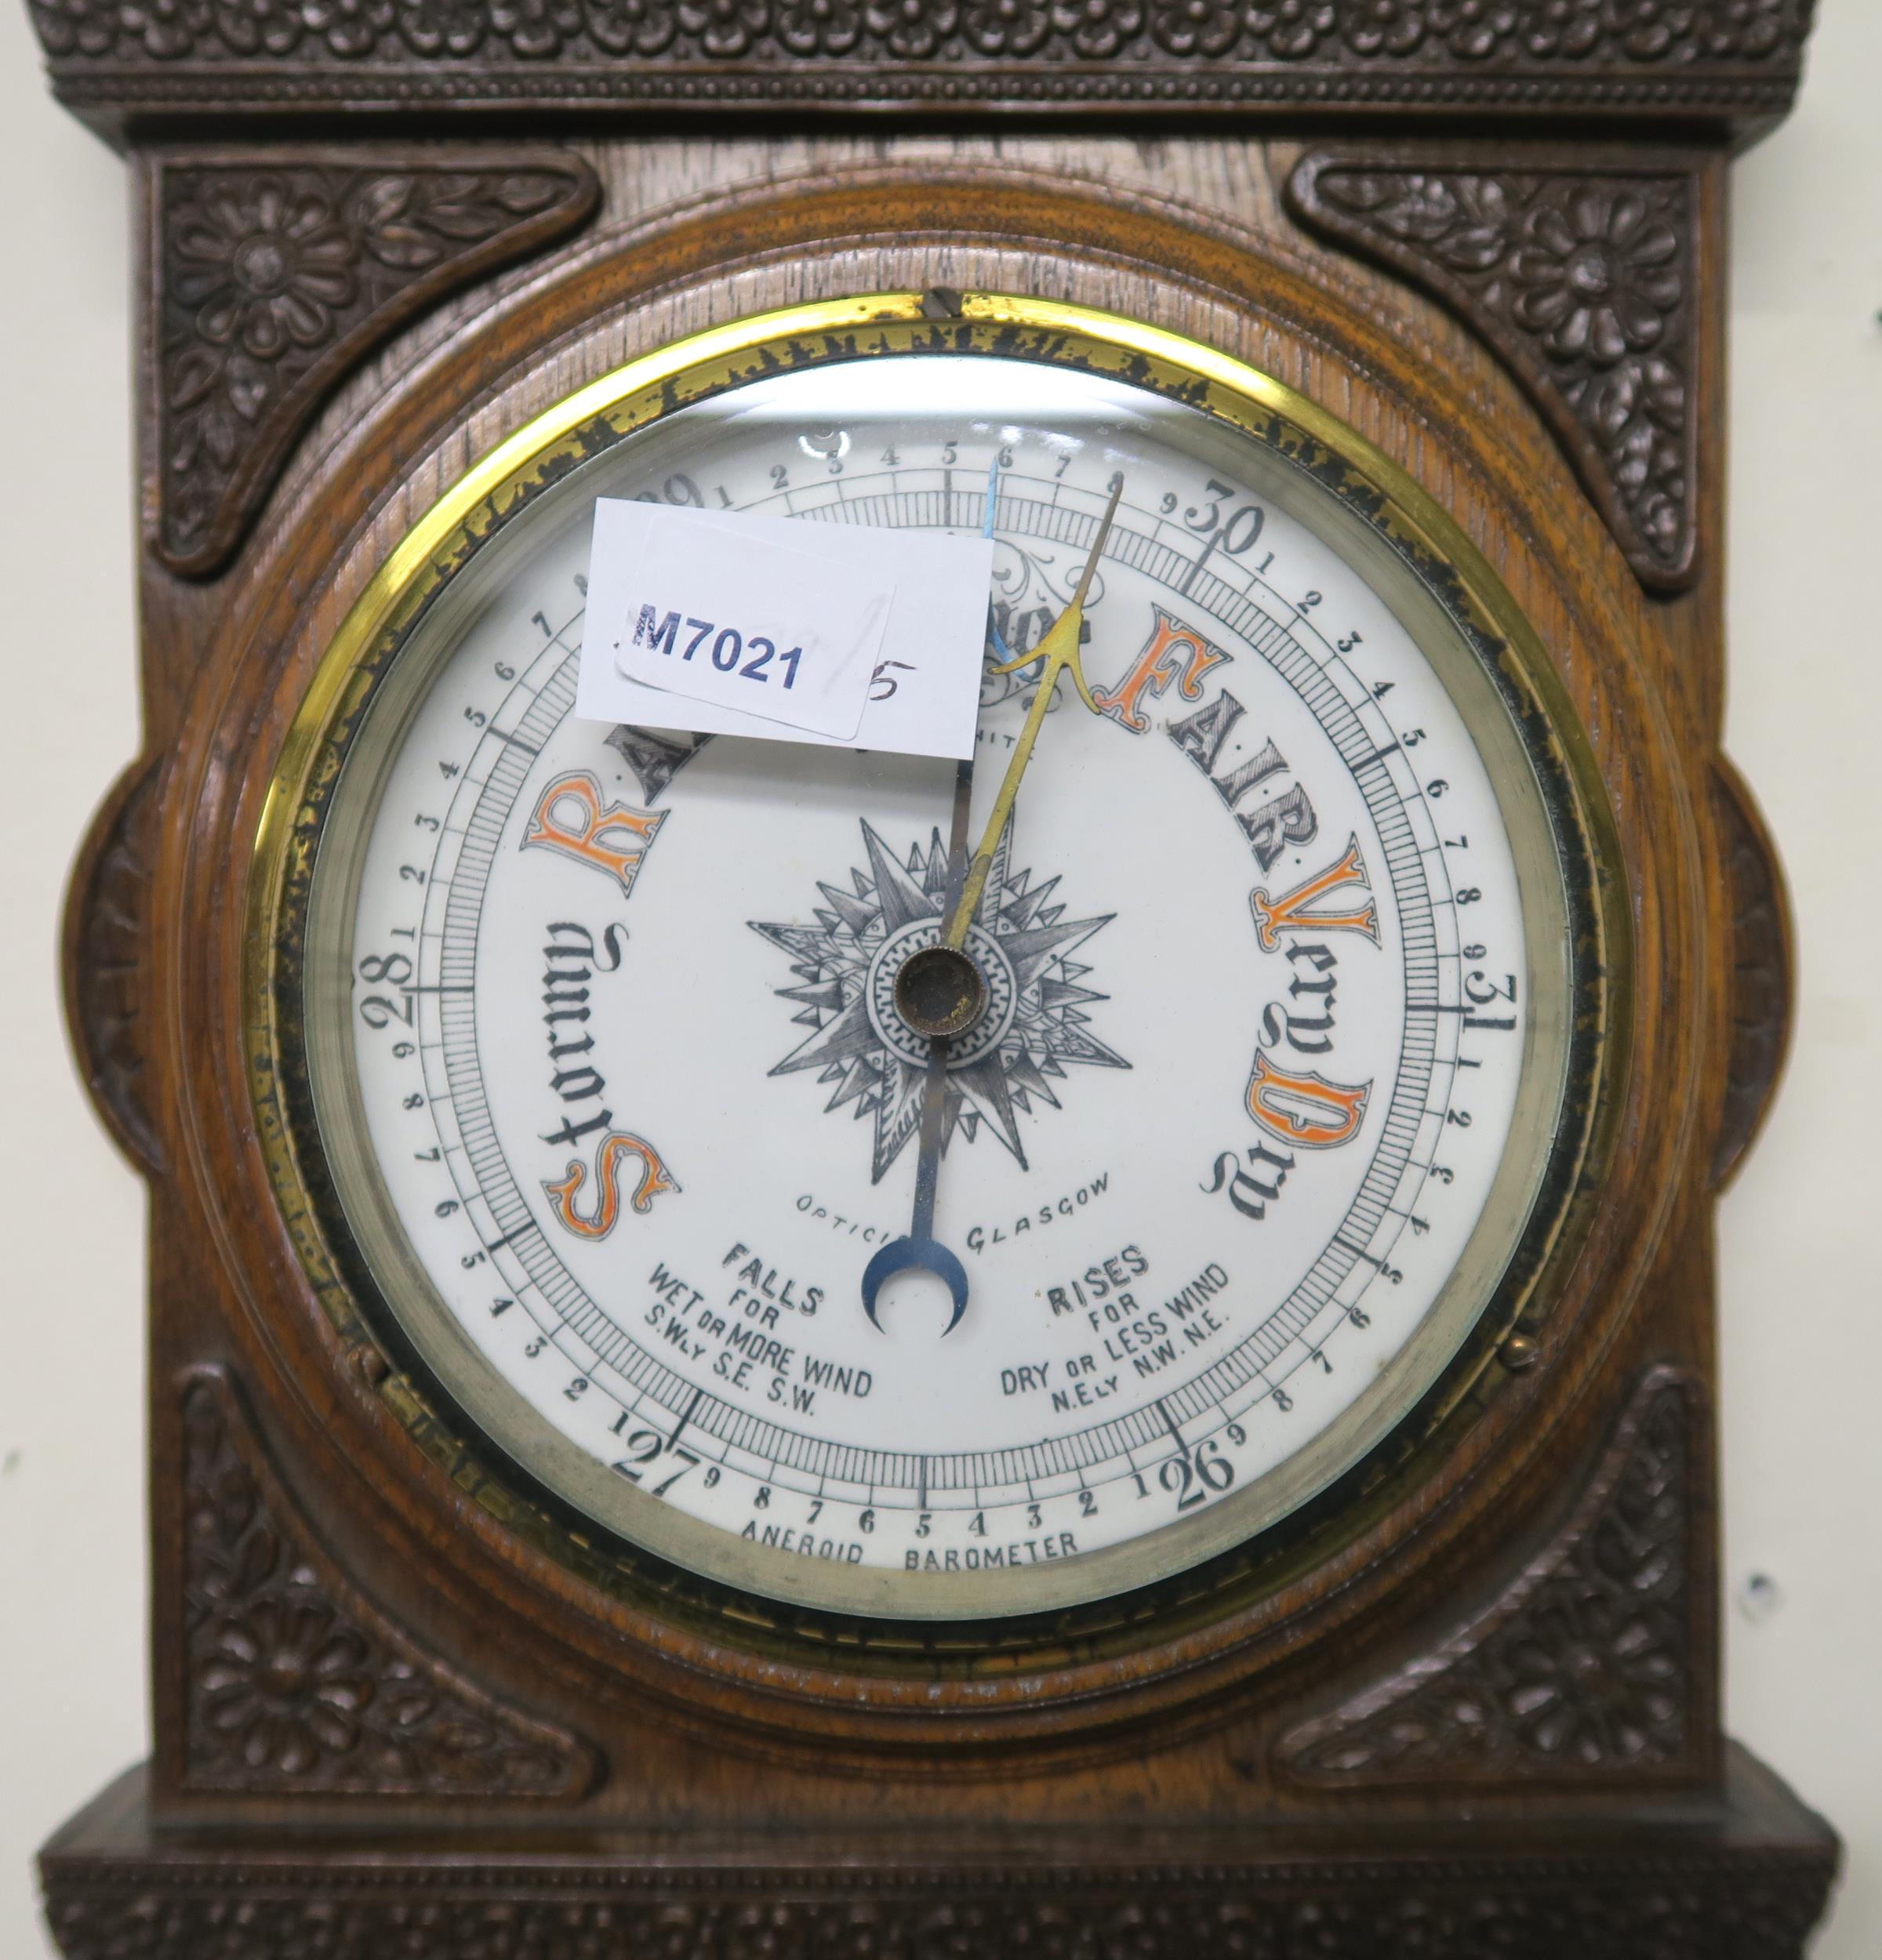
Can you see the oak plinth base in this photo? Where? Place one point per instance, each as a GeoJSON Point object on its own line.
{"type": "Point", "coordinates": [1742, 1875]}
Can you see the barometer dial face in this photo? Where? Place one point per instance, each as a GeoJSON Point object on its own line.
{"type": "Point", "coordinates": [609, 1076]}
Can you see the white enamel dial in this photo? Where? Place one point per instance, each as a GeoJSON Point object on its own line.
{"type": "Point", "coordinates": [618, 1103]}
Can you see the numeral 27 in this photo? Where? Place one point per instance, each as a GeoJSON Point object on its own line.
{"type": "Point", "coordinates": [645, 1446]}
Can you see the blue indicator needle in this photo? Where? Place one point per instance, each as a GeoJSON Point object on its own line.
{"type": "Point", "coordinates": [918, 1249]}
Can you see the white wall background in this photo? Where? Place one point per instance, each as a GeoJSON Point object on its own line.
{"type": "Point", "coordinates": [1802, 1338]}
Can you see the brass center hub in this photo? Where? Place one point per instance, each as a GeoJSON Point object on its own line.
{"type": "Point", "coordinates": [939, 992]}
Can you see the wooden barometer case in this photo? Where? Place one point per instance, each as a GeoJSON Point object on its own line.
{"type": "Point", "coordinates": [582, 1524]}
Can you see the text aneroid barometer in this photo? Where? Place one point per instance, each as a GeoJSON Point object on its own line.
{"type": "Point", "coordinates": [620, 1091]}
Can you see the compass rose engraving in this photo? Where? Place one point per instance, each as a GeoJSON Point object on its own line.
{"type": "Point", "coordinates": [1034, 1026]}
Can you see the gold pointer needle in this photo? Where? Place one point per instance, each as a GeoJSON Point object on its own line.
{"type": "Point", "coordinates": [1059, 649]}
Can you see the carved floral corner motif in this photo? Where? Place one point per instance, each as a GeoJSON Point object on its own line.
{"type": "Point", "coordinates": [1581, 282]}
{"type": "Point", "coordinates": [295, 1683]}
{"type": "Point", "coordinates": [1585, 1667]}
{"type": "Point", "coordinates": [274, 275]}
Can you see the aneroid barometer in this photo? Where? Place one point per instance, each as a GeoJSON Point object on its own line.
{"type": "Point", "coordinates": [1064, 1311]}
{"type": "Point", "coordinates": [1285, 984]}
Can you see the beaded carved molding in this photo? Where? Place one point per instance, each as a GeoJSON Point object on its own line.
{"type": "Point", "coordinates": [1697, 1906]}
{"type": "Point", "coordinates": [1723, 62]}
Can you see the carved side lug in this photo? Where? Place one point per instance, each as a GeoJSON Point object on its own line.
{"type": "Point", "coordinates": [1762, 988]}
{"type": "Point", "coordinates": [106, 959]}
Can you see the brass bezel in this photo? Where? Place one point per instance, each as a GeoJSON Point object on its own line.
{"type": "Point", "coordinates": [548, 447]}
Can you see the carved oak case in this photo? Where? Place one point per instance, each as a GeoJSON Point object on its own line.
{"type": "Point", "coordinates": [380, 236]}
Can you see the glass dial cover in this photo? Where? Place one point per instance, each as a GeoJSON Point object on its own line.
{"type": "Point", "coordinates": [609, 1071]}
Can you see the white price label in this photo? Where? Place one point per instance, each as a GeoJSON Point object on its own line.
{"type": "Point", "coordinates": [795, 629]}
